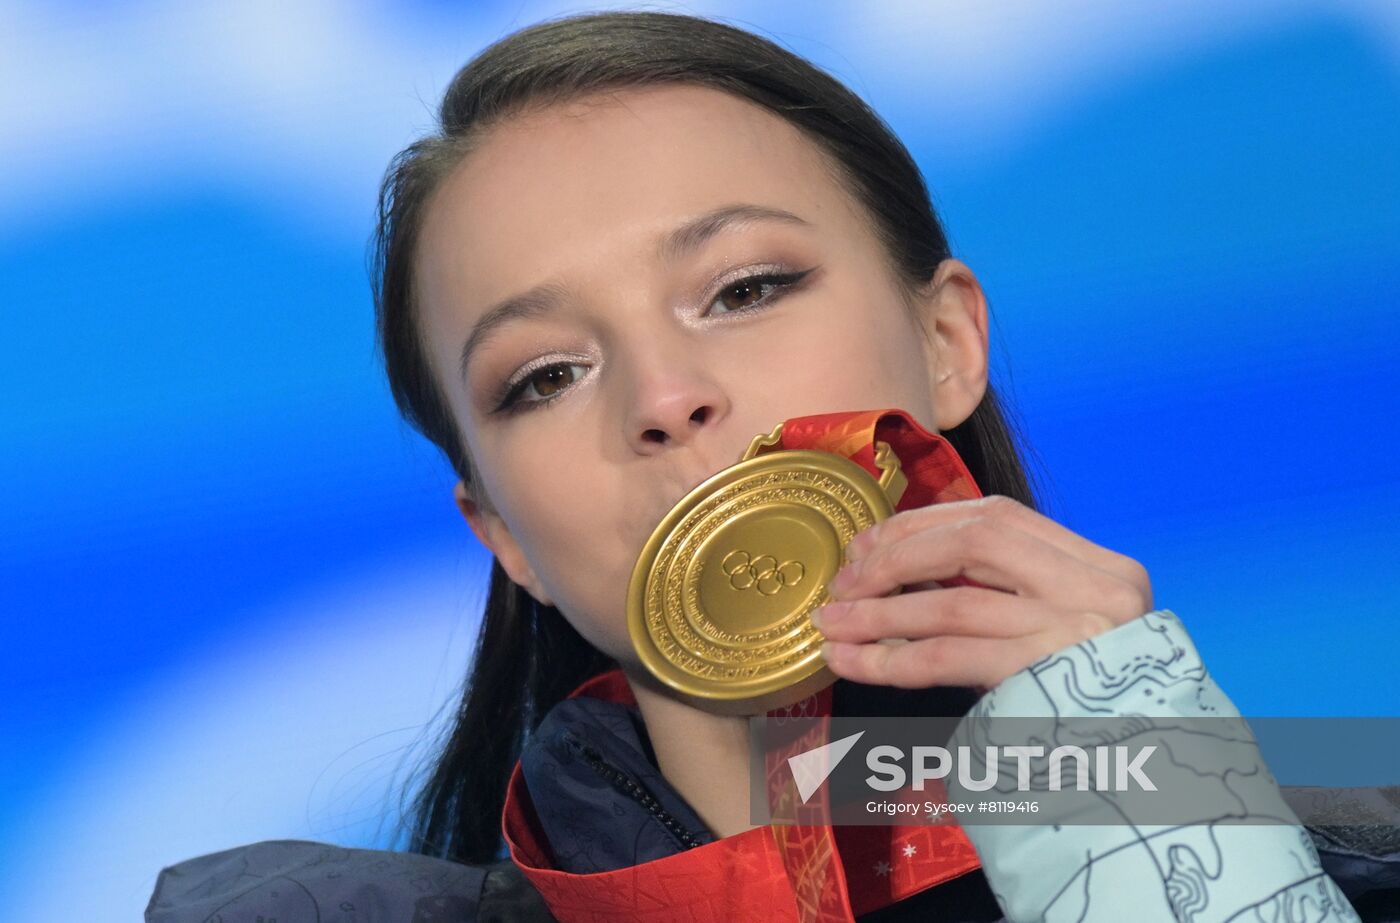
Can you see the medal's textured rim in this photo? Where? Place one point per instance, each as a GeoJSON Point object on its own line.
{"type": "Point", "coordinates": [787, 685]}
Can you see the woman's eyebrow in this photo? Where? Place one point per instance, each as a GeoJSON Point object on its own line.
{"type": "Point", "coordinates": [672, 246]}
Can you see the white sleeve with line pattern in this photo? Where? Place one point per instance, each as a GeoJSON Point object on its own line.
{"type": "Point", "coordinates": [1203, 872]}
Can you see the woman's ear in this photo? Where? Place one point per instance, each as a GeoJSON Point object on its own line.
{"type": "Point", "coordinates": [491, 530]}
{"type": "Point", "coordinates": [954, 312]}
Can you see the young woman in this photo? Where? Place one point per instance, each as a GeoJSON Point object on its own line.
{"type": "Point", "coordinates": [637, 241]}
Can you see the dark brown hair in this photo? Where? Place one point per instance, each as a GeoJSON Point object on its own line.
{"type": "Point", "coordinates": [528, 657]}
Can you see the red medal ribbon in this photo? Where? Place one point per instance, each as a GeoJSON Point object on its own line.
{"type": "Point", "coordinates": [806, 871]}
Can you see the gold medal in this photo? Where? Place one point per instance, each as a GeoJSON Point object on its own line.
{"type": "Point", "coordinates": [719, 601]}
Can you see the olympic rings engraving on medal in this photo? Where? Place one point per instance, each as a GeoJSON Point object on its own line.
{"type": "Point", "coordinates": [763, 572]}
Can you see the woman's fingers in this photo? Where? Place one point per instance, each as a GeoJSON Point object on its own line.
{"type": "Point", "coordinates": [997, 554]}
{"type": "Point", "coordinates": [1042, 588]}
{"type": "Point", "coordinates": [1002, 509]}
{"type": "Point", "coordinates": [953, 660]}
{"type": "Point", "coordinates": [971, 611]}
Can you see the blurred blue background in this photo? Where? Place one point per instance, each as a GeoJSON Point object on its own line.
{"type": "Point", "coordinates": [234, 588]}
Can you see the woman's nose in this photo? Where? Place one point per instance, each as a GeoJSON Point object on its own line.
{"type": "Point", "coordinates": [673, 404]}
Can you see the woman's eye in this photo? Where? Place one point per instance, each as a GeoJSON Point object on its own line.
{"type": "Point", "coordinates": [748, 293]}
{"type": "Point", "coordinates": [546, 383]}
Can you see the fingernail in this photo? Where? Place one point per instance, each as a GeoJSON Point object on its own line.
{"type": "Point", "coordinates": [829, 651]}
{"type": "Point", "coordinates": [845, 578]}
{"type": "Point", "coordinates": [822, 615]}
{"type": "Point", "coordinates": [861, 543]}
{"type": "Point", "coordinates": [834, 610]}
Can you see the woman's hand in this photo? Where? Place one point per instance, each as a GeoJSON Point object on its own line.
{"type": "Point", "coordinates": [1048, 588]}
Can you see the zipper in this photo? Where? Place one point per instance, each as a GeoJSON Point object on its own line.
{"type": "Point", "coordinates": [632, 789]}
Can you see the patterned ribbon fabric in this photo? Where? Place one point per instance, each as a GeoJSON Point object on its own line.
{"type": "Point", "coordinates": [802, 870]}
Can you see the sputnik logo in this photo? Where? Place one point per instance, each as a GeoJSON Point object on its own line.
{"type": "Point", "coordinates": [811, 768]}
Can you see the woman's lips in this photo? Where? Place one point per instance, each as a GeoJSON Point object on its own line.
{"type": "Point", "coordinates": [690, 483]}
{"type": "Point", "coordinates": [676, 496]}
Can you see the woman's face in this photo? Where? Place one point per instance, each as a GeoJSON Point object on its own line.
{"type": "Point", "coordinates": [664, 318]}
